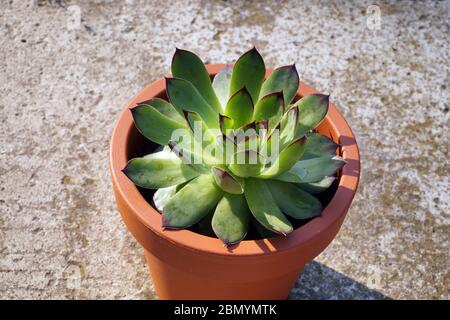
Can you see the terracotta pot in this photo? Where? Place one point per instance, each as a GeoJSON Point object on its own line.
{"type": "Point", "coordinates": [187, 265]}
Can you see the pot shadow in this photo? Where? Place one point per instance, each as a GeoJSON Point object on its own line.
{"type": "Point", "coordinates": [319, 282]}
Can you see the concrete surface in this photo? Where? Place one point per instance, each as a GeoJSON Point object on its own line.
{"type": "Point", "coordinates": [63, 84]}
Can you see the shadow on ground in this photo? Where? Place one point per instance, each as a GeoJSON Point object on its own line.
{"type": "Point", "coordinates": [321, 282]}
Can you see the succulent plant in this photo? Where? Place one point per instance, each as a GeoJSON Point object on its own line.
{"type": "Point", "coordinates": [257, 156]}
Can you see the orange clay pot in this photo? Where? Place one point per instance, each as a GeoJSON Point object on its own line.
{"type": "Point", "coordinates": [187, 265]}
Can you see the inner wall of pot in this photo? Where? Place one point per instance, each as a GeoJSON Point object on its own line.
{"type": "Point", "coordinates": [139, 146]}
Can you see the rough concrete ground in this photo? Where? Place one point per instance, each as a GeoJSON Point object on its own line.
{"type": "Point", "coordinates": [62, 86]}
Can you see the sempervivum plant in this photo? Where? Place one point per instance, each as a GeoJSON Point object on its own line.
{"type": "Point", "coordinates": [233, 148]}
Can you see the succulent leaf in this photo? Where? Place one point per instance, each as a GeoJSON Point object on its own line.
{"type": "Point", "coordinates": [293, 201]}
{"type": "Point", "coordinates": [319, 145]}
{"type": "Point", "coordinates": [225, 123]}
{"type": "Point", "coordinates": [244, 133]}
{"type": "Point", "coordinates": [165, 108]}
{"type": "Point", "coordinates": [248, 71]}
{"type": "Point", "coordinates": [240, 108]}
{"type": "Point", "coordinates": [226, 147]}
{"type": "Point", "coordinates": [283, 79]}
{"type": "Point", "coordinates": [206, 142]}
{"type": "Point", "coordinates": [191, 117]}
{"type": "Point", "coordinates": [263, 207]}
{"type": "Point", "coordinates": [192, 203]}
{"type": "Point", "coordinates": [245, 137]}
{"type": "Point", "coordinates": [312, 170]}
{"type": "Point", "coordinates": [288, 126]}
{"type": "Point", "coordinates": [159, 170]}
{"type": "Point", "coordinates": [246, 163]}
{"type": "Point", "coordinates": [226, 181]}
{"type": "Point", "coordinates": [266, 145]}
{"type": "Point", "coordinates": [163, 195]}
{"type": "Point", "coordinates": [188, 66]}
{"type": "Point", "coordinates": [184, 96]}
{"type": "Point", "coordinates": [231, 218]}
{"type": "Point", "coordinates": [154, 125]}
{"type": "Point", "coordinates": [269, 107]}
{"type": "Point", "coordinates": [262, 125]}
{"type": "Point", "coordinates": [312, 109]}
{"type": "Point", "coordinates": [191, 156]}
{"type": "Point", "coordinates": [196, 122]}
{"type": "Point", "coordinates": [221, 85]}
{"type": "Point", "coordinates": [286, 159]}
{"type": "Point", "coordinates": [317, 187]}
{"type": "Point", "coordinates": [249, 142]}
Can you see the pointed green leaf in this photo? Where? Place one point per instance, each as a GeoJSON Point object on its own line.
{"type": "Point", "coordinates": [191, 155]}
{"type": "Point", "coordinates": [246, 137]}
{"type": "Point", "coordinates": [293, 201]}
{"type": "Point", "coordinates": [317, 187]}
{"type": "Point", "coordinates": [248, 71]}
{"type": "Point", "coordinates": [165, 108]}
{"type": "Point", "coordinates": [188, 66]}
{"type": "Point", "coordinates": [227, 147]}
{"type": "Point", "coordinates": [154, 125]}
{"type": "Point", "coordinates": [225, 123]}
{"type": "Point", "coordinates": [262, 125]}
{"type": "Point", "coordinates": [312, 170]}
{"type": "Point", "coordinates": [269, 107]}
{"type": "Point", "coordinates": [226, 181]}
{"type": "Point", "coordinates": [184, 96]}
{"type": "Point", "coordinates": [192, 203]}
{"type": "Point", "coordinates": [249, 142]}
{"type": "Point", "coordinates": [270, 147]}
{"type": "Point", "coordinates": [240, 108]}
{"type": "Point", "coordinates": [282, 79]}
{"type": "Point", "coordinates": [312, 109]}
{"type": "Point", "coordinates": [199, 128]}
{"type": "Point", "coordinates": [288, 126]}
{"type": "Point", "coordinates": [246, 163]}
{"type": "Point", "coordinates": [191, 118]}
{"type": "Point", "coordinates": [264, 208]}
{"type": "Point", "coordinates": [287, 158]}
{"type": "Point", "coordinates": [262, 128]}
{"type": "Point", "coordinates": [230, 220]}
{"type": "Point", "coordinates": [205, 143]}
{"type": "Point", "coordinates": [221, 85]}
{"type": "Point", "coordinates": [246, 132]}
{"type": "Point", "coordinates": [159, 170]}
{"type": "Point", "coordinates": [318, 146]}
{"type": "Point", "coordinates": [163, 195]}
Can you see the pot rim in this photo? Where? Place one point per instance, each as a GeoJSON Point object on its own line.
{"type": "Point", "coordinates": [152, 219]}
